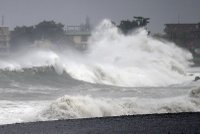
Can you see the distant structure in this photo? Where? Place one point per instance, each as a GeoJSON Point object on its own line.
{"type": "Point", "coordinates": [79, 34]}
{"type": "Point", "coordinates": [185, 35]}
{"type": "Point", "coordinates": [4, 38]}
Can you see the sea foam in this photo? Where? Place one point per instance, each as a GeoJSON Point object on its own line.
{"type": "Point", "coordinates": [134, 60]}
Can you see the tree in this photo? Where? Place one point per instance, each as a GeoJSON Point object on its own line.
{"type": "Point", "coordinates": [47, 30]}
{"type": "Point", "coordinates": [21, 35]}
{"type": "Point", "coordinates": [142, 22]}
{"type": "Point", "coordinates": [126, 25]}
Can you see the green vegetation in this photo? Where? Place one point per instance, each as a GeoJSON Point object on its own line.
{"type": "Point", "coordinates": [127, 26]}
{"type": "Point", "coordinates": [47, 30]}
{"type": "Point", "coordinates": [55, 33]}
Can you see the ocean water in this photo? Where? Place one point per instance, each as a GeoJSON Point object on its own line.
{"type": "Point", "coordinates": [116, 75]}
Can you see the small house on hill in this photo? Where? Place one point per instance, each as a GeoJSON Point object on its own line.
{"type": "Point", "coordinates": [185, 35]}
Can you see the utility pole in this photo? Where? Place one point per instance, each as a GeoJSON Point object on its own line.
{"type": "Point", "coordinates": [178, 18]}
{"type": "Point", "coordinates": [2, 21]}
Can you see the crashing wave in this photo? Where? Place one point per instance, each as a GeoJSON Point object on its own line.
{"type": "Point", "coordinates": [85, 106]}
{"type": "Point", "coordinates": [135, 60]}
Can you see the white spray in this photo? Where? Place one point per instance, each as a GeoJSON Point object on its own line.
{"type": "Point", "coordinates": [115, 59]}
{"type": "Point", "coordinates": [133, 60]}
{"type": "Point", "coordinates": [85, 106]}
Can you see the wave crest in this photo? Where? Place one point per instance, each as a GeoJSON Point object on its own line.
{"type": "Point", "coordinates": [135, 60]}
{"type": "Point", "coordinates": [85, 106]}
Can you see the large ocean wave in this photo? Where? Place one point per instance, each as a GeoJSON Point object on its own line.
{"type": "Point", "coordinates": [85, 106]}
{"type": "Point", "coordinates": [132, 74]}
{"type": "Point", "coordinates": [112, 58]}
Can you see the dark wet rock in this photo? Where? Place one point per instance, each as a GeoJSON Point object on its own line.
{"type": "Point", "coordinates": [177, 123]}
{"type": "Point", "coordinates": [197, 78]}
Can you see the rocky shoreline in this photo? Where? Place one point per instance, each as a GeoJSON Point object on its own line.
{"type": "Point", "coordinates": [170, 123]}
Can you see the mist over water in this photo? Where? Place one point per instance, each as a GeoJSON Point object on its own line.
{"type": "Point", "coordinates": [85, 106]}
{"type": "Point", "coordinates": [134, 60]}
{"type": "Point", "coordinates": [113, 58]}
{"type": "Point", "coordinates": [115, 75]}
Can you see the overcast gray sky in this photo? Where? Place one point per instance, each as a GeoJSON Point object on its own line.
{"type": "Point", "coordinates": [72, 12]}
